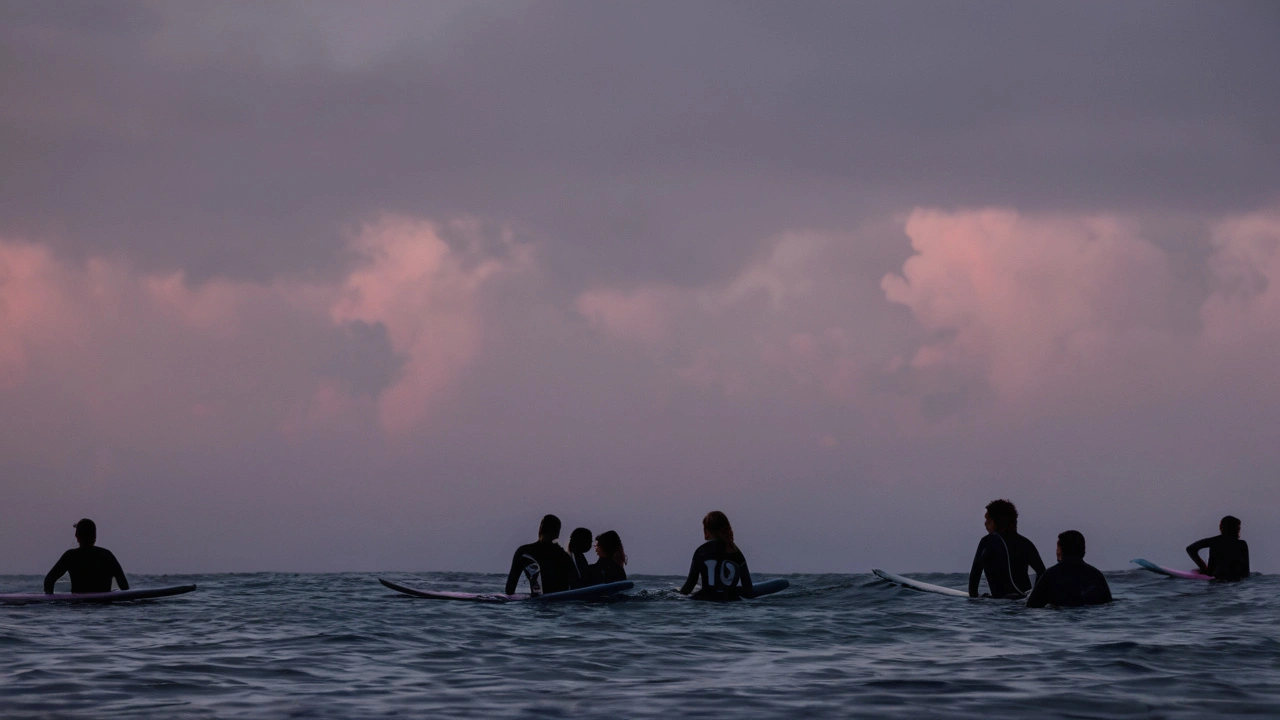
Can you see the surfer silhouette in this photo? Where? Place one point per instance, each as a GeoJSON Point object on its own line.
{"type": "Point", "coordinates": [92, 568]}
{"type": "Point", "coordinates": [1003, 555]}
{"type": "Point", "coordinates": [613, 559]}
{"type": "Point", "coordinates": [1228, 554]}
{"type": "Point", "coordinates": [718, 563]}
{"type": "Point", "coordinates": [546, 564]}
{"type": "Point", "coordinates": [579, 544]}
{"type": "Point", "coordinates": [1072, 582]}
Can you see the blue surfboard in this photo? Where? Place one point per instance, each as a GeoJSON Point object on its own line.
{"type": "Point", "coordinates": [769, 587]}
{"type": "Point", "coordinates": [586, 593]}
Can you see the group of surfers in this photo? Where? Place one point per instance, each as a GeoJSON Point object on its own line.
{"type": "Point", "coordinates": [718, 565]}
{"type": "Point", "coordinates": [719, 569]}
{"type": "Point", "coordinates": [1005, 557]}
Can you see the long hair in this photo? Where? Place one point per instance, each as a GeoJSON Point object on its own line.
{"type": "Point", "coordinates": [611, 544]}
{"type": "Point", "coordinates": [717, 526]}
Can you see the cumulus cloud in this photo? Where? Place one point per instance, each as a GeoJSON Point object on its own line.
{"type": "Point", "coordinates": [1032, 306]}
{"type": "Point", "coordinates": [154, 350]}
{"type": "Point", "coordinates": [424, 293]}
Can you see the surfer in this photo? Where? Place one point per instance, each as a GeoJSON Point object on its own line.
{"type": "Point", "coordinates": [613, 559]}
{"type": "Point", "coordinates": [1004, 555]}
{"type": "Point", "coordinates": [546, 564]}
{"type": "Point", "coordinates": [1228, 554]}
{"type": "Point", "coordinates": [91, 567]}
{"type": "Point", "coordinates": [718, 563]}
{"type": "Point", "coordinates": [1072, 582]}
{"type": "Point", "coordinates": [579, 544]}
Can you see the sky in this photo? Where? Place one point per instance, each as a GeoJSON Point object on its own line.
{"type": "Point", "coordinates": [326, 286]}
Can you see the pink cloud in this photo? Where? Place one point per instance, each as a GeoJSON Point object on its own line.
{"type": "Point", "coordinates": [426, 295]}
{"type": "Point", "coordinates": [1032, 306]}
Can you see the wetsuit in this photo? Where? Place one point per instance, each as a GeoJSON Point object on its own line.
{"type": "Point", "coordinates": [723, 574]}
{"type": "Point", "coordinates": [581, 571]}
{"type": "Point", "coordinates": [1228, 556]}
{"type": "Point", "coordinates": [1071, 583]}
{"type": "Point", "coordinates": [546, 564]}
{"type": "Point", "coordinates": [92, 568]}
{"type": "Point", "coordinates": [606, 571]}
{"type": "Point", "coordinates": [1006, 570]}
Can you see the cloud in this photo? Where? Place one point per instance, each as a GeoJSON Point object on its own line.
{"type": "Point", "coordinates": [141, 353]}
{"type": "Point", "coordinates": [1032, 307]}
{"type": "Point", "coordinates": [425, 294]}
{"type": "Point", "coordinates": [1241, 316]}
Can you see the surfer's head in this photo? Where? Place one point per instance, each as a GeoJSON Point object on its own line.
{"type": "Point", "coordinates": [1070, 545]}
{"type": "Point", "coordinates": [609, 544]}
{"type": "Point", "coordinates": [1002, 516]}
{"type": "Point", "coordinates": [1230, 525]}
{"type": "Point", "coordinates": [86, 532]}
{"type": "Point", "coordinates": [549, 528]}
{"type": "Point", "coordinates": [580, 540]}
{"type": "Point", "coordinates": [716, 526]}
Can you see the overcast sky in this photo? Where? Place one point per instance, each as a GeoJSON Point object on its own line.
{"type": "Point", "coordinates": [313, 286]}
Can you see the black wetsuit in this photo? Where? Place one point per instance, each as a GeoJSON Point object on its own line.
{"type": "Point", "coordinates": [92, 569]}
{"type": "Point", "coordinates": [581, 571]}
{"type": "Point", "coordinates": [546, 564]}
{"type": "Point", "coordinates": [1228, 556]}
{"type": "Point", "coordinates": [998, 564]}
{"type": "Point", "coordinates": [723, 574]}
{"type": "Point", "coordinates": [1071, 583]}
{"type": "Point", "coordinates": [606, 571]}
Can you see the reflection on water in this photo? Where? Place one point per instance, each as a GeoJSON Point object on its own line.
{"type": "Point", "coordinates": [342, 646]}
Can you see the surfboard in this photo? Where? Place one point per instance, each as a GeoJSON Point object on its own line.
{"type": "Point", "coordinates": [586, 593]}
{"type": "Point", "coordinates": [769, 587]}
{"type": "Point", "coordinates": [918, 585]}
{"type": "Point", "coordinates": [1161, 570]}
{"type": "Point", "coordinates": [103, 597]}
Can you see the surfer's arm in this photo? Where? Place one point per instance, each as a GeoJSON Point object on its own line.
{"type": "Point", "coordinates": [513, 577]}
{"type": "Point", "coordinates": [1036, 563]}
{"type": "Point", "coordinates": [1194, 551]}
{"type": "Point", "coordinates": [692, 582]}
{"type": "Point", "coordinates": [975, 572]}
{"type": "Point", "coordinates": [55, 574]}
{"type": "Point", "coordinates": [118, 573]}
{"type": "Point", "coordinates": [1244, 560]}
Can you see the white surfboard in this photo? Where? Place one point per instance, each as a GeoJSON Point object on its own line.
{"type": "Point", "coordinates": [918, 585]}
{"type": "Point", "coordinates": [586, 593]}
{"type": "Point", "coordinates": [103, 597]}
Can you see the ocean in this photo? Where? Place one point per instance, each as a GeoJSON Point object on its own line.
{"type": "Point", "coordinates": [275, 645]}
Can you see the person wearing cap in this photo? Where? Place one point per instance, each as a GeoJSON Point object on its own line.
{"type": "Point", "coordinates": [92, 568]}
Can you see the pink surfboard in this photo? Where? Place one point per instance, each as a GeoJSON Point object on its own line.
{"type": "Point", "coordinates": [1161, 570]}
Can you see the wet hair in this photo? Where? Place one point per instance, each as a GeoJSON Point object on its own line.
{"type": "Point", "coordinates": [611, 544]}
{"type": "Point", "coordinates": [86, 531]}
{"type": "Point", "coordinates": [580, 540]}
{"type": "Point", "coordinates": [717, 525]}
{"type": "Point", "coordinates": [1004, 515]}
{"type": "Point", "coordinates": [1230, 525]}
{"type": "Point", "coordinates": [549, 528]}
{"type": "Point", "coordinates": [1072, 544]}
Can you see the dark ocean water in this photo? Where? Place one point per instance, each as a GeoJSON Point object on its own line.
{"type": "Point", "coordinates": [342, 646]}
